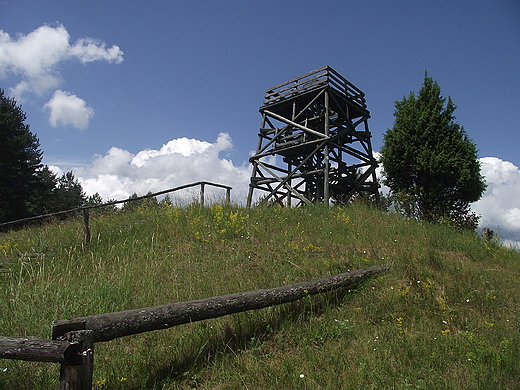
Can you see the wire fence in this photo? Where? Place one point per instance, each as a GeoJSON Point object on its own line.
{"type": "Point", "coordinates": [86, 209]}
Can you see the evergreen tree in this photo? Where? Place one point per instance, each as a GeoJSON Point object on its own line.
{"type": "Point", "coordinates": [43, 197]}
{"type": "Point", "coordinates": [52, 193]}
{"type": "Point", "coordinates": [28, 188]}
{"type": "Point", "coordinates": [141, 203]}
{"type": "Point", "coordinates": [94, 200]}
{"type": "Point", "coordinates": [20, 161]}
{"type": "Point", "coordinates": [430, 164]}
{"type": "Point", "coordinates": [68, 193]}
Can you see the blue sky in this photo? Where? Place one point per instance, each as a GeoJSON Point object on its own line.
{"type": "Point", "coordinates": [166, 78]}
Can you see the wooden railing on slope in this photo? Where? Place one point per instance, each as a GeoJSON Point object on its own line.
{"type": "Point", "coordinates": [86, 209]}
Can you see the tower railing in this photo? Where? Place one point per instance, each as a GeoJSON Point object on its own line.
{"type": "Point", "coordinates": [325, 76]}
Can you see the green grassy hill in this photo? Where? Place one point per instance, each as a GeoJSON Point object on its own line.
{"type": "Point", "coordinates": [446, 316]}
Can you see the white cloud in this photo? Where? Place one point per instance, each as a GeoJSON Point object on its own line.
{"type": "Point", "coordinates": [500, 204]}
{"type": "Point", "coordinates": [68, 109]}
{"type": "Point", "coordinates": [89, 50]}
{"type": "Point", "coordinates": [119, 173]}
{"type": "Point", "coordinates": [379, 174]}
{"type": "Point", "coordinates": [34, 59]}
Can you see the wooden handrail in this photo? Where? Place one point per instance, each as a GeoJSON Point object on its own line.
{"type": "Point", "coordinates": [312, 80]}
{"type": "Point", "coordinates": [201, 183]}
{"type": "Point", "coordinates": [39, 350]}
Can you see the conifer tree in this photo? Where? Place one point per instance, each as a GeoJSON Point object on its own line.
{"type": "Point", "coordinates": [68, 193]}
{"type": "Point", "coordinates": [20, 161]}
{"type": "Point", "coordinates": [429, 162]}
{"type": "Point", "coordinates": [27, 187]}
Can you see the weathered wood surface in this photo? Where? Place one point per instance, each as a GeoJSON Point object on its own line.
{"type": "Point", "coordinates": [317, 78]}
{"type": "Point", "coordinates": [79, 376]}
{"type": "Point", "coordinates": [109, 326]}
{"type": "Point", "coordinates": [40, 350]}
{"type": "Point", "coordinates": [86, 227]}
{"type": "Point", "coordinates": [290, 122]}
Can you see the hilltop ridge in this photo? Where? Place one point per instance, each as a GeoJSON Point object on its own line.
{"type": "Point", "coordinates": [446, 316]}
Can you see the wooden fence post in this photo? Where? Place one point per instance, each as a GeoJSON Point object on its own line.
{"type": "Point", "coordinates": [202, 194]}
{"type": "Point", "coordinates": [86, 227]}
{"type": "Point", "coordinates": [79, 377]}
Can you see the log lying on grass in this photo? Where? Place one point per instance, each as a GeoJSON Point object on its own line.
{"type": "Point", "coordinates": [40, 350]}
{"type": "Point", "coordinates": [109, 326]}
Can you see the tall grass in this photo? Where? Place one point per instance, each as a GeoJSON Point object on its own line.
{"type": "Point", "coordinates": [446, 316]}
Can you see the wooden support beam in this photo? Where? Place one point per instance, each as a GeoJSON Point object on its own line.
{"type": "Point", "coordinates": [202, 194]}
{"type": "Point", "coordinates": [290, 122]}
{"type": "Point", "coordinates": [283, 182]}
{"type": "Point", "coordinates": [326, 189]}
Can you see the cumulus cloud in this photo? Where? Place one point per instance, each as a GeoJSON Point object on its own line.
{"type": "Point", "coordinates": [379, 174]}
{"type": "Point", "coordinates": [68, 109]}
{"type": "Point", "coordinates": [35, 57]}
{"type": "Point", "coordinates": [119, 173]}
{"type": "Point", "coordinates": [500, 204]}
{"type": "Point", "coordinates": [89, 50]}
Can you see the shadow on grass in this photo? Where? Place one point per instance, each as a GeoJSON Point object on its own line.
{"type": "Point", "coordinates": [240, 335]}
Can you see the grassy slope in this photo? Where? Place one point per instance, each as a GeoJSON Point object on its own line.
{"type": "Point", "coordinates": [445, 317]}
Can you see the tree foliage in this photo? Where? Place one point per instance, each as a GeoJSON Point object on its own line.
{"type": "Point", "coordinates": [68, 192]}
{"type": "Point", "coordinates": [27, 187]}
{"type": "Point", "coordinates": [430, 164]}
{"type": "Point", "coordinates": [20, 161]}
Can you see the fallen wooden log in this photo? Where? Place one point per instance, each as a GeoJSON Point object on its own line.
{"type": "Point", "coordinates": [109, 326]}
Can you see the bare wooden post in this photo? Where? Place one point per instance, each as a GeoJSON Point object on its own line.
{"type": "Point", "coordinates": [289, 181]}
{"type": "Point", "coordinates": [326, 183]}
{"type": "Point", "coordinates": [202, 194]}
{"type": "Point", "coordinates": [79, 377]}
{"type": "Point", "coordinates": [228, 195]}
{"type": "Point", "coordinates": [86, 227]}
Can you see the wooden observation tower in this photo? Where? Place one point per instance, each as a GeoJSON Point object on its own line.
{"type": "Point", "coordinates": [314, 142]}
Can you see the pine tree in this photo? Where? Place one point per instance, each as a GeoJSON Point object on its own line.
{"type": "Point", "coordinates": [68, 193]}
{"type": "Point", "coordinates": [27, 187]}
{"type": "Point", "coordinates": [20, 161]}
{"type": "Point", "coordinates": [429, 162]}
{"type": "Point", "coordinates": [43, 199]}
